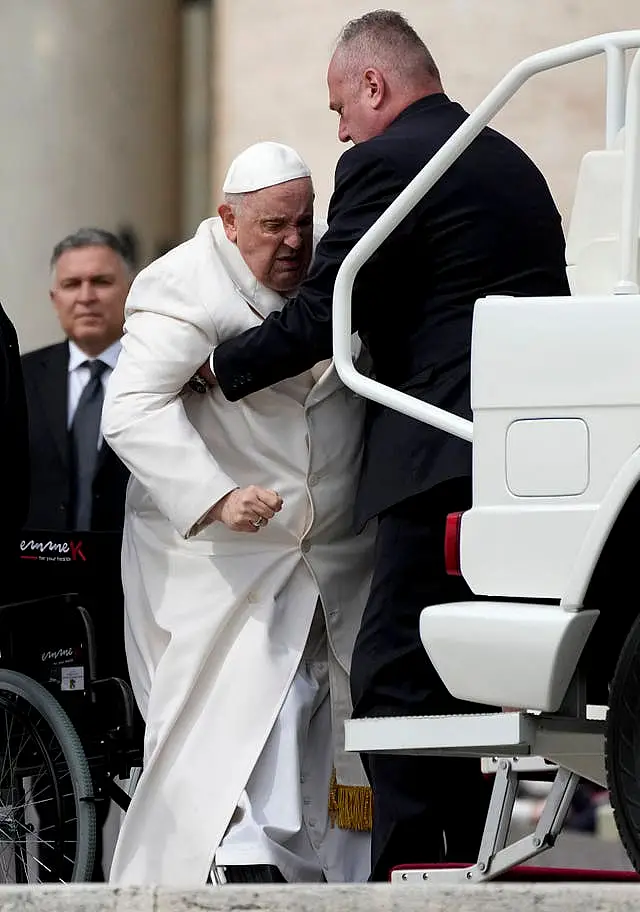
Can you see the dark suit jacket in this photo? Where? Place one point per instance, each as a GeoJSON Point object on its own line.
{"type": "Point", "coordinates": [489, 226]}
{"type": "Point", "coordinates": [13, 420]}
{"type": "Point", "coordinates": [46, 378]}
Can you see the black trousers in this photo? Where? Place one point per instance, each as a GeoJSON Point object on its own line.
{"type": "Point", "coordinates": [415, 799]}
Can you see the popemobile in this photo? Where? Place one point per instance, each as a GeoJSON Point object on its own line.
{"type": "Point", "coordinates": [552, 541]}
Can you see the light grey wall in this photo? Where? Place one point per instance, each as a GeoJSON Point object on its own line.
{"type": "Point", "coordinates": [90, 135]}
{"type": "Point", "coordinates": [272, 55]}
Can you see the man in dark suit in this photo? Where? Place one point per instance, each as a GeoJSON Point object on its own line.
{"type": "Point", "coordinates": [489, 226]}
{"type": "Point", "coordinates": [77, 480]}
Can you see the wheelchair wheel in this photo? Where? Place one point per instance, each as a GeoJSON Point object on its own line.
{"type": "Point", "coordinates": [622, 745]}
{"type": "Point", "coordinates": [47, 814]}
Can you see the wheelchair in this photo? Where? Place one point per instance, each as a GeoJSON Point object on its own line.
{"type": "Point", "coordinates": [69, 727]}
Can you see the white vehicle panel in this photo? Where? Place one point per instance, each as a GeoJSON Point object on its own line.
{"type": "Point", "coordinates": [556, 404]}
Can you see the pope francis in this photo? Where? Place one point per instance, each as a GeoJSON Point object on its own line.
{"type": "Point", "coordinates": [244, 583]}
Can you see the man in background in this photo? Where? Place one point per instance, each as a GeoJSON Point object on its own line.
{"type": "Point", "coordinates": [77, 482]}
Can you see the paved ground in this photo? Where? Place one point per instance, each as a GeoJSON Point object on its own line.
{"type": "Point", "coordinates": [577, 850]}
{"type": "Point", "coordinates": [381, 898]}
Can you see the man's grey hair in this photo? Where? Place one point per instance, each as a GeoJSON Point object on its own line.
{"type": "Point", "coordinates": [235, 200]}
{"type": "Point", "coordinates": [386, 36]}
{"type": "Point", "coordinates": [92, 237]}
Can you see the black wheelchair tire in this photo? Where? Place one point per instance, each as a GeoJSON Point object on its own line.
{"type": "Point", "coordinates": [47, 706]}
{"type": "Point", "coordinates": [622, 745]}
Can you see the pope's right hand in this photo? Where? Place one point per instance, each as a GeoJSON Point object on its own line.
{"type": "Point", "coordinates": [247, 509]}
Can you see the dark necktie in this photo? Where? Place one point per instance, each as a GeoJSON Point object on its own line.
{"type": "Point", "coordinates": [85, 429]}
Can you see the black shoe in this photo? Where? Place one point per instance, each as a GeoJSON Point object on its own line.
{"type": "Point", "coordinates": [250, 874]}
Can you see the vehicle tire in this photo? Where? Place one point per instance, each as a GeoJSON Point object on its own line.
{"type": "Point", "coordinates": [622, 745]}
{"type": "Point", "coordinates": [47, 811]}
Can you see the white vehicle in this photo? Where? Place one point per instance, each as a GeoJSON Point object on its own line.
{"type": "Point", "coordinates": [553, 538]}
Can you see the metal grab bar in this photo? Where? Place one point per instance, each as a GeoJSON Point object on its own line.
{"type": "Point", "coordinates": [615, 88]}
{"type": "Point", "coordinates": [630, 222]}
{"type": "Point", "coordinates": [609, 44]}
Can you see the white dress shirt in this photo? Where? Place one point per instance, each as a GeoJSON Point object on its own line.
{"type": "Point", "coordinates": [79, 375]}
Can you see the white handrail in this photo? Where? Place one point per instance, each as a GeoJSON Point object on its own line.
{"type": "Point", "coordinates": [414, 192]}
{"type": "Point", "coordinates": [630, 223]}
{"type": "Point", "coordinates": [616, 88]}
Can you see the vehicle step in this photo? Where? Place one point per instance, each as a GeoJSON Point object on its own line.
{"type": "Point", "coordinates": [504, 734]}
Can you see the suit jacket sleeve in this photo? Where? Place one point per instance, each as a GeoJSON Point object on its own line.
{"type": "Point", "coordinates": [15, 428]}
{"type": "Point", "coordinates": [296, 338]}
{"type": "Point", "coordinates": [167, 337]}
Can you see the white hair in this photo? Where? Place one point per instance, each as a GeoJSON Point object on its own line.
{"type": "Point", "coordinates": [235, 200]}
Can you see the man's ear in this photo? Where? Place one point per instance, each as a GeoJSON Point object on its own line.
{"type": "Point", "coordinates": [54, 300]}
{"type": "Point", "coordinates": [228, 216]}
{"type": "Point", "coordinates": [374, 86]}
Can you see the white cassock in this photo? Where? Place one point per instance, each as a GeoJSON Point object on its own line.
{"type": "Point", "coordinates": [232, 681]}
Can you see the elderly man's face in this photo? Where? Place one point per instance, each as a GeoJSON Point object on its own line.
{"type": "Point", "coordinates": [273, 230]}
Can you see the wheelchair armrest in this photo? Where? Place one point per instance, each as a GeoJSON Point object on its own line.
{"type": "Point", "coordinates": [115, 704]}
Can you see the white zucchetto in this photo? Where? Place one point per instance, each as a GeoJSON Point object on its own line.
{"type": "Point", "coordinates": [264, 164]}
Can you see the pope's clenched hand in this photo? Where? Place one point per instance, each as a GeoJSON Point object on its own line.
{"type": "Point", "coordinates": [247, 509]}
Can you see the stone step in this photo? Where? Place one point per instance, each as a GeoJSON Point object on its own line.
{"type": "Point", "coordinates": [557, 897]}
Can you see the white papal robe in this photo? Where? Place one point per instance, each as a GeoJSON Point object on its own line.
{"type": "Point", "coordinates": [217, 622]}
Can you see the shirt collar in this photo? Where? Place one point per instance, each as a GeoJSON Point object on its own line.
{"type": "Point", "coordinates": [77, 357]}
{"type": "Point", "coordinates": [428, 102]}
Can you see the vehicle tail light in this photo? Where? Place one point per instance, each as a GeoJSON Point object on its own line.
{"type": "Point", "coordinates": [452, 544]}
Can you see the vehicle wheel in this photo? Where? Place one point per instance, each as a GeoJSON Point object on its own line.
{"type": "Point", "coordinates": [47, 812]}
{"type": "Point", "coordinates": [622, 745]}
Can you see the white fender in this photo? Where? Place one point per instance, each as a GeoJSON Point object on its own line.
{"type": "Point", "coordinates": [598, 532]}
